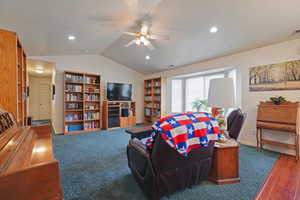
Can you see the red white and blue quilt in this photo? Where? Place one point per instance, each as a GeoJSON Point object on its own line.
{"type": "Point", "coordinates": [187, 131]}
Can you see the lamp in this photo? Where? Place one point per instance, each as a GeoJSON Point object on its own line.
{"type": "Point", "coordinates": [221, 95]}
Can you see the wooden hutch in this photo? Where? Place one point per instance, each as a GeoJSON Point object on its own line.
{"type": "Point", "coordinates": [153, 100]}
{"type": "Point", "coordinates": [13, 77]}
{"type": "Point", "coordinates": [82, 102]}
{"type": "Point", "coordinates": [283, 117]}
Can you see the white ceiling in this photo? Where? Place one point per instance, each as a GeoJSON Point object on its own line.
{"type": "Point", "coordinates": [45, 25]}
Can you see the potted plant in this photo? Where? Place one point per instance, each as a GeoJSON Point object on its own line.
{"type": "Point", "coordinates": [198, 104]}
{"type": "Point", "coordinates": [222, 123]}
{"type": "Point", "coordinates": [277, 99]}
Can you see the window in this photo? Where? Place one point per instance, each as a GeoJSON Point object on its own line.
{"type": "Point", "coordinates": [190, 93]}
{"type": "Point", "coordinates": [177, 95]}
{"type": "Point", "coordinates": [193, 91]}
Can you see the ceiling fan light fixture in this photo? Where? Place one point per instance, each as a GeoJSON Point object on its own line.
{"type": "Point", "coordinates": [213, 29]}
{"type": "Point", "coordinates": [146, 42]}
{"type": "Point", "coordinates": [143, 39]}
{"type": "Point", "coordinates": [147, 57]}
{"type": "Point", "coordinates": [71, 37]}
{"type": "Point", "coordinates": [138, 42]}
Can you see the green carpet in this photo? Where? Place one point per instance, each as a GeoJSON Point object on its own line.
{"type": "Point", "coordinates": [94, 166]}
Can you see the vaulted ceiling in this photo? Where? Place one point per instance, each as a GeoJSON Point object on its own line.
{"type": "Point", "coordinates": [99, 25]}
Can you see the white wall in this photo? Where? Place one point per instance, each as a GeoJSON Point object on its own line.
{"type": "Point", "coordinates": [276, 53]}
{"type": "Point", "coordinates": [109, 70]}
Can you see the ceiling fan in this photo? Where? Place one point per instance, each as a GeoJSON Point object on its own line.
{"type": "Point", "coordinates": [143, 37]}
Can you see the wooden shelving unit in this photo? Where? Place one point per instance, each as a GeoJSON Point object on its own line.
{"type": "Point", "coordinates": [152, 100]}
{"type": "Point", "coordinates": [82, 102]}
{"type": "Point", "coordinates": [118, 114]}
{"type": "Point", "coordinates": [13, 77]}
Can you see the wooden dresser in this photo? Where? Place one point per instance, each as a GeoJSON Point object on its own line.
{"type": "Point", "coordinates": [283, 117]}
{"type": "Point", "coordinates": [28, 169]}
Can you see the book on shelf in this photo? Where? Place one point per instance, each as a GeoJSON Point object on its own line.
{"type": "Point", "coordinates": [92, 89]}
{"type": "Point", "coordinates": [91, 97]}
{"type": "Point", "coordinates": [147, 112]}
{"type": "Point", "coordinates": [149, 105]}
{"type": "Point", "coordinates": [157, 84]}
{"type": "Point", "coordinates": [92, 125]}
{"type": "Point", "coordinates": [91, 107]}
{"type": "Point", "coordinates": [73, 97]}
{"type": "Point", "coordinates": [73, 88]}
{"type": "Point", "coordinates": [91, 80]}
{"type": "Point", "coordinates": [73, 78]}
{"type": "Point", "coordinates": [73, 127]}
{"type": "Point", "coordinates": [91, 115]}
{"type": "Point", "coordinates": [73, 117]}
{"type": "Point", "coordinates": [157, 91]}
{"type": "Point", "coordinates": [149, 84]}
{"type": "Point", "coordinates": [148, 98]}
{"type": "Point", "coordinates": [73, 106]}
{"type": "Point", "coordinates": [156, 113]}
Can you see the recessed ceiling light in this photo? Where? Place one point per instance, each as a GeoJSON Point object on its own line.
{"type": "Point", "coordinates": [213, 29]}
{"type": "Point", "coordinates": [147, 57]}
{"type": "Point", "coordinates": [71, 37]}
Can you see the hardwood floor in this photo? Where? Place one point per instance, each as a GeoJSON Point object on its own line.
{"type": "Point", "coordinates": [283, 182]}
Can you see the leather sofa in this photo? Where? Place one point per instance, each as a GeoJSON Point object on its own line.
{"type": "Point", "coordinates": [163, 171]}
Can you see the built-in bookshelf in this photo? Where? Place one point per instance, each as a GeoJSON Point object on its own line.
{"type": "Point", "coordinates": [13, 89]}
{"type": "Point", "coordinates": [152, 100]}
{"type": "Point", "coordinates": [82, 102]}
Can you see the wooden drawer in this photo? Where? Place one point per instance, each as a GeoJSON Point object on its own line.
{"type": "Point", "coordinates": [277, 113]}
{"type": "Point", "coordinates": [282, 127]}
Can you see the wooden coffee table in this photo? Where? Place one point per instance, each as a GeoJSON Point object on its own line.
{"type": "Point", "coordinates": [225, 167]}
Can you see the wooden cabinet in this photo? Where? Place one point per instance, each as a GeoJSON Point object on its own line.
{"type": "Point", "coordinates": [118, 114]}
{"type": "Point", "coordinates": [127, 121]}
{"type": "Point", "coordinates": [283, 117]}
{"type": "Point", "coordinates": [225, 167]}
{"type": "Point", "coordinates": [153, 108]}
{"type": "Point", "coordinates": [13, 76]}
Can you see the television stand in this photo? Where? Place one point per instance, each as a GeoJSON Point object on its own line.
{"type": "Point", "coordinates": [118, 114]}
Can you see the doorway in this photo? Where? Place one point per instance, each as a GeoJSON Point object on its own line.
{"type": "Point", "coordinates": [41, 95]}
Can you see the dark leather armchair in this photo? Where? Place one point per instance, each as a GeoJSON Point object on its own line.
{"type": "Point", "coordinates": [164, 171]}
{"type": "Point", "coordinates": [235, 122]}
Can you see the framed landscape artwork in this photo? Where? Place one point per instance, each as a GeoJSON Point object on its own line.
{"type": "Point", "coordinates": [282, 76]}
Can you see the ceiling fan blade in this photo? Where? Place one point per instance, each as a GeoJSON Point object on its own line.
{"type": "Point", "coordinates": [130, 33]}
{"type": "Point", "coordinates": [159, 37]}
{"type": "Point", "coordinates": [150, 46]}
{"type": "Point", "coordinates": [296, 32]}
{"type": "Point", "coordinates": [130, 43]}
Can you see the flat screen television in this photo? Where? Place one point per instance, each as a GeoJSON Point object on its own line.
{"type": "Point", "coordinates": [119, 91]}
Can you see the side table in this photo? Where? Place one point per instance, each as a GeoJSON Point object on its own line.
{"type": "Point", "coordinates": [225, 167]}
{"type": "Point", "coordinates": [141, 132]}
